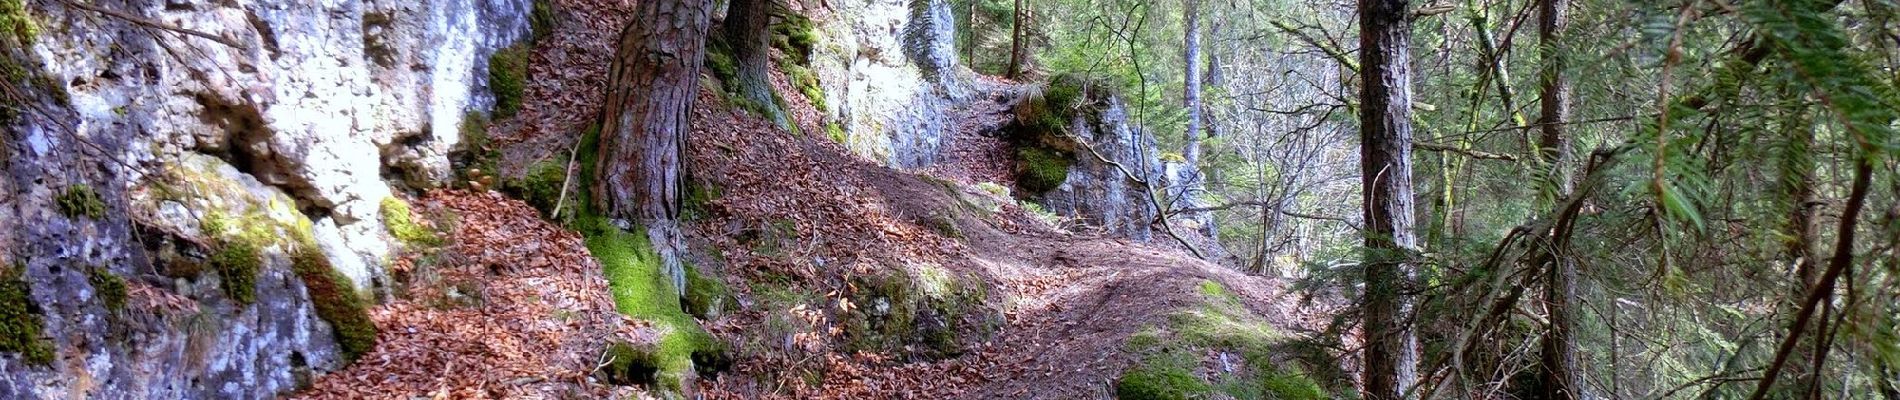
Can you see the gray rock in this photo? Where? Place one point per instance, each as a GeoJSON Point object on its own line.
{"type": "Point", "coordinates": [321, 108]}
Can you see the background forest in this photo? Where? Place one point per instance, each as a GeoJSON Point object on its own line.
{"type": "Point", "coordinates": [1718, 176]}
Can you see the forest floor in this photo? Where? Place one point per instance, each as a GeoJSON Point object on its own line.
{"type": "Point", "coordinates": [522, 311]}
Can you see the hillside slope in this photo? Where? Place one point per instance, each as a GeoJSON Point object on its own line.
{"type": "Point", "coordinates": [850, 279]}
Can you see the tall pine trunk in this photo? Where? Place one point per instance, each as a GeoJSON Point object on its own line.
{"type": "Point", "coordinates": [1016, 42]}
{"type": "Point", "coordinates": [1562, 379]}
{"type": "Point", "coordinates": [1385, 119]}
{"type": "Point", "coordinates": [748, 31]}
{"type": "Point", "coordinates": [653, 80]}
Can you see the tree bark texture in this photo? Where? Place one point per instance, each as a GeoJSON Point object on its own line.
{"type": "Point", "coordinates": [748, 31]}
{"type": "Point", "coordinates": [652, 83]}
{"type": "Point", "coordinates": [1562, 379]}
{"type": "Point", "coordinates": [1391, 350]}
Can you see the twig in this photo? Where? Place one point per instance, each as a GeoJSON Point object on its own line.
{"type": "Point", "coordinates": [1478, 154]}
{"type": "Point", "coordinates": [567, 174]}
{"type": "Point", "coordinates": [151, 23]}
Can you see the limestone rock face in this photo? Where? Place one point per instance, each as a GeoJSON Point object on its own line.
{"type": "Point", "coordinates": [891, 77]}
{"type": "Point", "coordinates": [1104, 191]}
{"type": "Point", "coordinates": [302, 118]}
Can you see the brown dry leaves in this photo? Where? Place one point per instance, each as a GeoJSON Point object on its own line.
{"type": "Point", "coordinates": [533, 318]}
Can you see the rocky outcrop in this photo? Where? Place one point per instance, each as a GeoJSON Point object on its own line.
{"type": "Point", "coordinates": [1105, 185]}
{"type": "Point", "coordinates": [891, 78]}
{"type": "Point", "coordinates": [286, 123]}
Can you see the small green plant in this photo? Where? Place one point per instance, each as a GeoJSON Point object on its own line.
{"type": "Point", "coordinates": [108, 287]}
{"type": "Point", "coordinates": [508, 78]}
{"type": "Point", "coordinates": [79, 200]}
{"type": "Point", "coordinates": [20, 327]}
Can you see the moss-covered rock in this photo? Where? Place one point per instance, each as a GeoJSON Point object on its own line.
{"type": "Point", "coordinates": [1045, 149]}
{"type": "Point", "coordinates": [20, 323]}
{"type": "Point", "coordinates": [918, 310]}
{"type": "Point", "coordinates": [628, 364]}
{"type": "Point", "coordinates": [706, 296]}
{"type": "Point", "coordinates": [109, 288]}
{"type": "Point", "coordinates": [79, 200]}
{"type": "Point", "coordinates": [336, 301]}
{"type": "Point", "coordinates": [1170, 355]}
{"type": "Point", "coordinates": [508, 78]}
{"type": "Point", "coordinates": [404, 225]}
{"type": "Point", "coordinates": [1041, 169]}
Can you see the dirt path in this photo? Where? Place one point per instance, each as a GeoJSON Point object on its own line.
{"type": "Point", "coordinates": [1068, 302]}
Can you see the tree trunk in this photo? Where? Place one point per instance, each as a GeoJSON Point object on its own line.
{"type": "Point", "coordinates": [1797, 175]}
{"type": "Point", "coordinates": [1385, 118]}
{"type": "Point", "coordinates": [1562, 380]}
{"type": "Point", "coordinates": [1016, 43]}
{"type": "Point", "coordinates": [1192, 101]}
{"type": "Point", "coordinates": [653, 80]}
{"type": "Point", "coordinates": [748, 31]}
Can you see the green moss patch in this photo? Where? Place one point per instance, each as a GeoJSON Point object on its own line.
{"type": "Point", "coordinates": [1045, 149]}
{"type": "Point", "coordinates": [1041, 169]}
{"type": "Point", "coordinates": [15, 20]}
{"type": "Point", "coordinates": [109, 288]}
{"type": "Point", "coordinates": [807, 83]}
{"type": "Point", "coordinates": [541, 21]}
{"type": "Point", "coordinates": [795, 35]}
{"type": "Point", "coordinates": [1169, 379]}
{"type": "Point", "coordinates": [336, 301]}
{"type": "Point", "coordinates": [540, 186]}
{"type": "Point", "coordinates": [403, 224]}
{"type": "Point", "coordinates": [629, 364]}
{"type": "Point", "coordinates": [1171, 355]}
{"type": "Point", "coordinates": [80, 200]}
{"type": "Point", "coordinates": [641, 290]}
{"type": "Point", "coordinates": [237, 262]}
{"type": "Point", "coordinates": [508, 78]}
{"type": "Point", "coordinates": [20, 325]}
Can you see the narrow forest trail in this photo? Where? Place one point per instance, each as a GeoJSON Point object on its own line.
{"type": "Point", "coordinates": [797, 214]}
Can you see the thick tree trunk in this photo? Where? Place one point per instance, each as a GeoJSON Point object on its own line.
{"type": "Point", "coordinates": [653, 80]}
{"type": "Point", "coordinates": [1385, 118]}
{"type": "Point", "coordinates": [748, 31]}
{"type": "Point", "coordinates": [1562, 379]}
{"type": "Point", "coordinates": [1016, 42]}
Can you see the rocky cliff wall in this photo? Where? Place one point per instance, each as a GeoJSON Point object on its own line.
{"type": "Point", "coordinates": [891, 77]}
{"type": "Point", "coordinates": [152, 146]}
